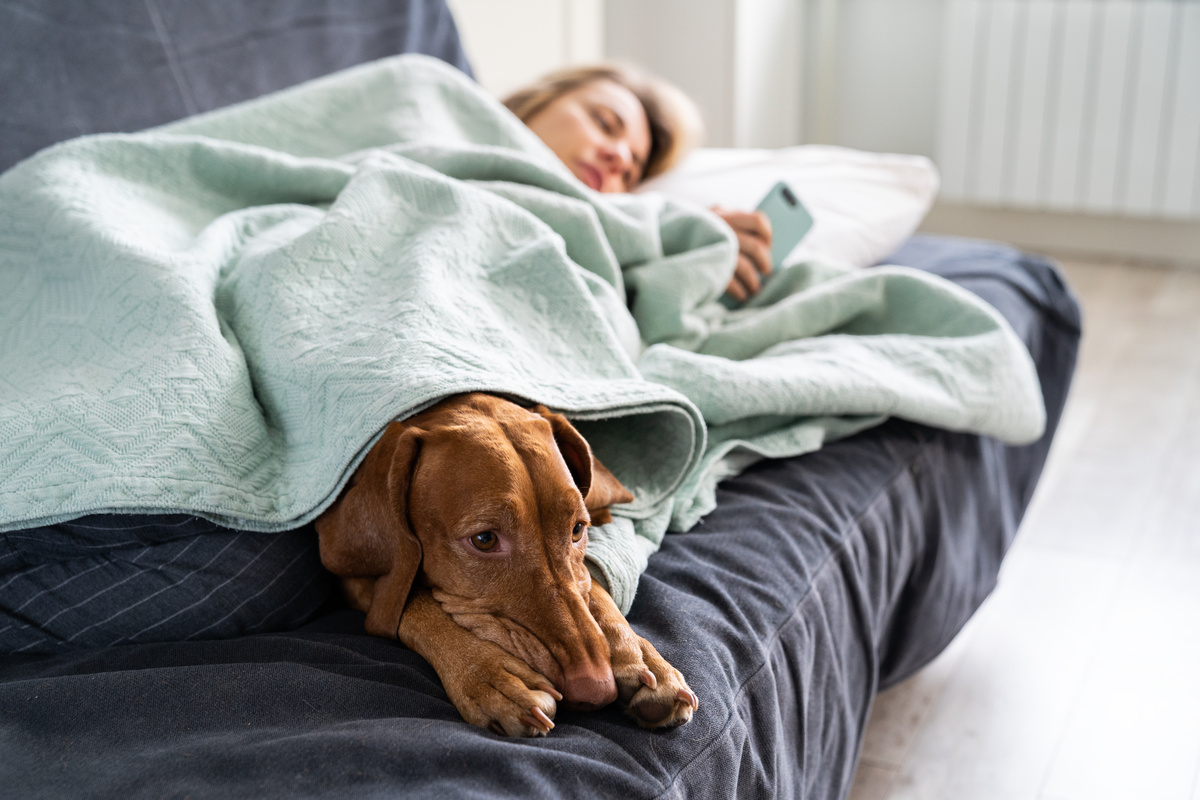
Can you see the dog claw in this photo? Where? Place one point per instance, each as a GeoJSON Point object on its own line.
{"type": "Point", "coordinates": [550, 690]}
{"type": "Point", "coordinates": [497, 728]}
{"type": "Point", "coordinates": [529, 721]}
{"type": "Point", "coordinates": [540, 716]}
{"type": "Point", "coordinates": [686, 696]}
{"type": "Point", "coordinates": [649, 679]}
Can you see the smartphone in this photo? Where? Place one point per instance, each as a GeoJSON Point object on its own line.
{"type": "Point", "coordinates": [790, 220]}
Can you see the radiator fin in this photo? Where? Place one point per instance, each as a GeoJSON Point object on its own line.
{"type": "Point", "coordinates": [1072, 105]}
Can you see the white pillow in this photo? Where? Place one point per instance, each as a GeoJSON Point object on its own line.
{"type": "Point", "coordinates": [864, 205]}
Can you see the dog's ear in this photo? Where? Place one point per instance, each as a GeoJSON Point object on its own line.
{"type": "Point", "coordinates": [599, 487]}
{"type": "Point", "coordinates": [605, 491]}
{"type": "Point", "coordinates": [573, 446]}
{"type": "Point", "coordinates": [366, 533]}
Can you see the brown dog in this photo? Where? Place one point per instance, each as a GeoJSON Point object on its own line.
{"type": "Point", "coordinates": [463, 534]}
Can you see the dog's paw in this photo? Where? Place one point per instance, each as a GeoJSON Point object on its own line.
{"type": "Point", "coordinates": [651, 691]}
{"type": "Point", "coordinates": [505, 696]}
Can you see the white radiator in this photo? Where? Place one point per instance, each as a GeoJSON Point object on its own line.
{"type": "Point", "coordinates": [1072, 105]}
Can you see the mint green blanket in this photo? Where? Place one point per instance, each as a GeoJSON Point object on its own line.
{"type": "Point", "coordinates": [220, 316]}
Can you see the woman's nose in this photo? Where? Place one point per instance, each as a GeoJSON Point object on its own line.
{"type": "Point", "coordinates": [616, 156]}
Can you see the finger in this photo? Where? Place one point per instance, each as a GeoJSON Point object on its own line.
{"type": "Point", "coordinates": [752, 223]}
{"type": "Point", "coordinates": [747, 275]}
{"type": "Point", "coordinates": [744, 283]}
{"type": "Point", "coordinates": [759, 225]}
{"type": "Point", "coordinates": [738, 220]}
{"type": "Point", "coordinates": [756, 251]}
{"type": "Point", "coordinates": [736, 290]}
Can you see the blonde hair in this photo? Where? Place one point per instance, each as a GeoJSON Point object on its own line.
{"type": "Point", "coordinates": [675, 124]}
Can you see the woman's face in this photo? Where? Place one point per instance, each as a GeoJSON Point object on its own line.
{"type": "Point", "coordinates": [600, 132]}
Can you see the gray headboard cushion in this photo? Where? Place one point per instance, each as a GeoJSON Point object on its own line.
{"type": "Point", "coordinates": [71, 68]}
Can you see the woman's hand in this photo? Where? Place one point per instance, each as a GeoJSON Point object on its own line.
{"type": "Point", "coordinates": [753, 231]}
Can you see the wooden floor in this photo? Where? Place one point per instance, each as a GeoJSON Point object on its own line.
{"type": "Point", "coordinates": [1079, 679]}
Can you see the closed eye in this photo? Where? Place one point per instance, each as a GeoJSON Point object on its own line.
{"type": "Point", "coordinates": [608, 121]}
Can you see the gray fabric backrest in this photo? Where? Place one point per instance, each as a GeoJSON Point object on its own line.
{"type": "Point", "coordinates": [72, 68]}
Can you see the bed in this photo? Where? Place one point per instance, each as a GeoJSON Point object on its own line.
{"type": "Point", "coordinates": [815, 582]}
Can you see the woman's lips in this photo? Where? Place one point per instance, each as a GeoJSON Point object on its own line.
{"type": "Point", "coordinates": [589, 175]}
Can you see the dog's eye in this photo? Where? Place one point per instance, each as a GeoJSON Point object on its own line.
{"type": "Point", "coordinates": [577, 531]}
{"type": "Point", "coordinates": [485, 541]}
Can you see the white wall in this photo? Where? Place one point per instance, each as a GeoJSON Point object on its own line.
{"type": "Point", "coordinates": [886, 75]}
{"type": "Point", "coordinates": [740, 60]}
{"type": "Point", "coordinates": [770, 73]}
{"type": "Point", "coordinates": [512, 42]}
{"type": "Point", "coordinates": [686, 42]}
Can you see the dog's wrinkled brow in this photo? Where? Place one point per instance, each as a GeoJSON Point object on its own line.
{"type": "Point", "coordinates": [488, 514]}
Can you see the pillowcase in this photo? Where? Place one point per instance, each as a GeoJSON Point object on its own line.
{"type": "Point", "coordinates": [864, 205]}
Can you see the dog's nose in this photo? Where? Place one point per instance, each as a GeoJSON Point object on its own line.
{"type": "Point", "coordinates": [589, 688]}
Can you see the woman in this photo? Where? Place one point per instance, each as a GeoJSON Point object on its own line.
{"type": "Point", "coordinates": [615, 127]}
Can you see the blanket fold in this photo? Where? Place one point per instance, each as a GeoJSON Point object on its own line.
{"type": "Point", "coordinates": [220, 316]}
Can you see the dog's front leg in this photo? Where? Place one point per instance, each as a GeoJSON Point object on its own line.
{"type": "Point", "coordinates": [488, 686]}
{"type": "Point", "coordinates": [650, 690]}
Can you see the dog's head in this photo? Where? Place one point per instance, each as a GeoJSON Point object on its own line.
{"type": "Point", "coordinates": [488, 504]}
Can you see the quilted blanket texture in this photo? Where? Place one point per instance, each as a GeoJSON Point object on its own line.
{"type": "Point", "coordinates": [220, 316]}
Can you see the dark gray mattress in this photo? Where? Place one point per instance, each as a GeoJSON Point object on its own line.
{"type": "Point", "coordinates": [816, 581]}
